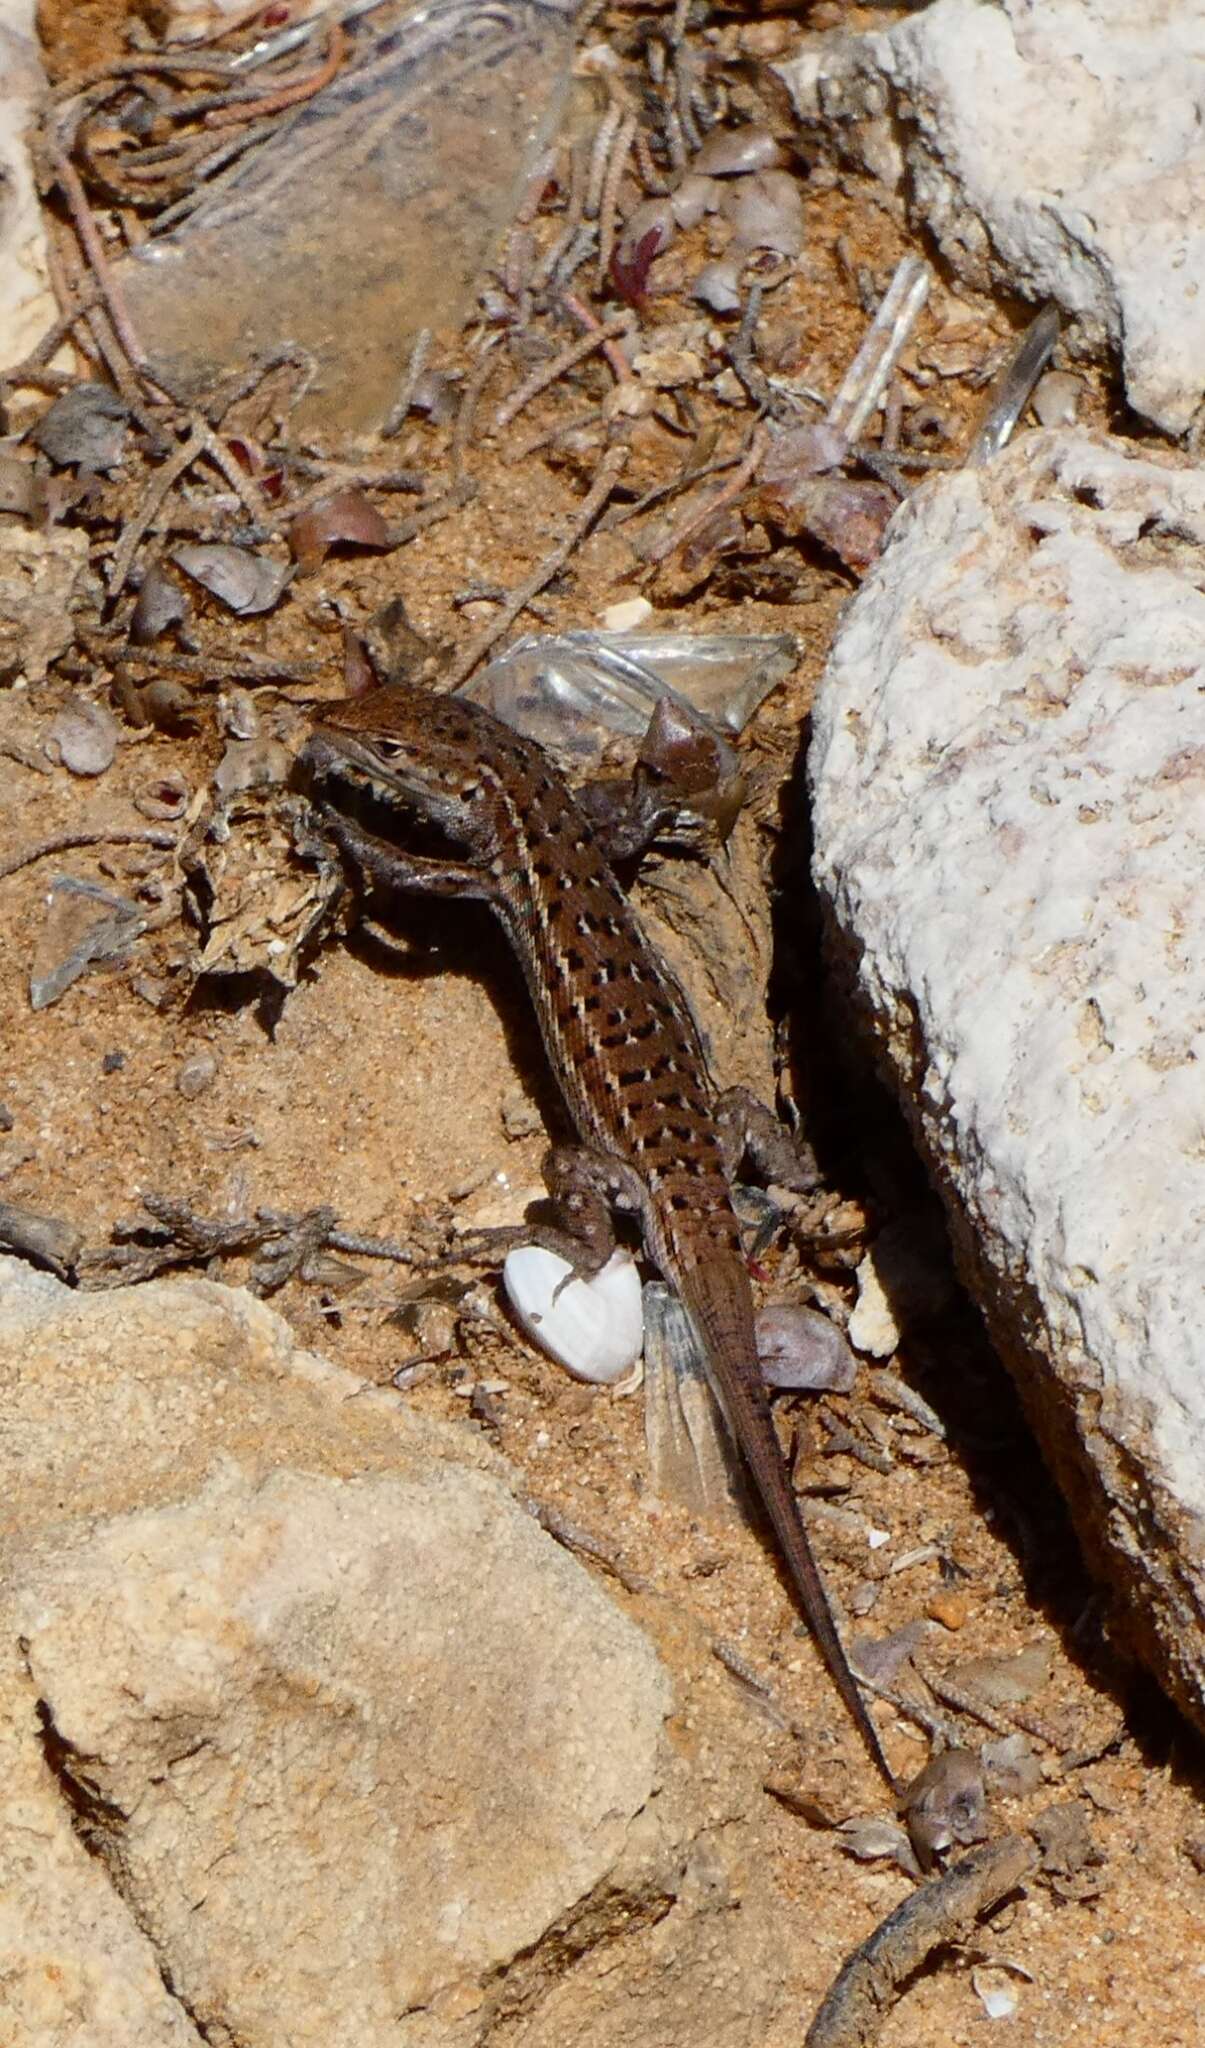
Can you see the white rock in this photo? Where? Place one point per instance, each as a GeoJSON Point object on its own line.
{"type": "Point", "coordinates": [594, 1328]}
{"type": "Point", "coordinates": [27, 306]}
{"type": "Point", "coordinates": [39, 577]}
{"type": "Point", "coordinates": [872, 1326]}
{"type": "Point", "coordinates": [1059, 149]}
{"type": "Point", "coordinates": [625, 616]}
{"type": "Point", "coordinates": [1008, 773]}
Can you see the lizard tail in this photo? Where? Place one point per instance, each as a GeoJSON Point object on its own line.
{"type": "Point", "coordinates": [719, 1302]}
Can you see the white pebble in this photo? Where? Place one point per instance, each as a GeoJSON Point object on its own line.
{"type": "Point", "coordinates": [625, 616]}
{"type": "Point", "coordinates": [594, 1328]}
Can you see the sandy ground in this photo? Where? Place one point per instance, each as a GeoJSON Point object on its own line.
{"type": "Point", "coordinates": [390, 1089]}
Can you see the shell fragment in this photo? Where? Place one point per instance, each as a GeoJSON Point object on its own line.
{"type": "Point", "coordinates": [594, 1328]}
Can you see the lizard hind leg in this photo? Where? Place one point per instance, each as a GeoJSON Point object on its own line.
{"type": "Point", "coordinates": [750, 1131]}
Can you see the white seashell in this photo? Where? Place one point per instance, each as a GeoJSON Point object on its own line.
{"type": "Point", "coordinates": [594, 1328]}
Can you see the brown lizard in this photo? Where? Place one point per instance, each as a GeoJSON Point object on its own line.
{"type": "Point", "coordinates": [617, 1029]}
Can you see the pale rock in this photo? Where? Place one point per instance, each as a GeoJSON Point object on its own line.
{"type": "Point", "coordinates": [27, 306]}
{"type": "Point", "coordinates": [872, 1326]}
{"type": "Point", "coordinates": [307, 1730]}
{"type": "Point", "coordinates": [904, 1277]}
{"type": "Point", "coordinates": [626, 615]}
{"type": "Point", "coordinates": [384, 1707]}
{"type": "Point", "coordinates": [1055, 150]}
{"type": "Point", "coordinates": [1008, 779]}
{"type": "Point", "coordinates": [39, 574]}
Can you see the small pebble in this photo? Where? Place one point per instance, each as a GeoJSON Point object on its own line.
{"type": "Point", "coordinates": [625, 616]}
{"type": "Point", "coordinates": [198, 1073]}
{"type": "Point", "coordinates": [951, 1609]}
{"type": "Point", "coordinates": [1056, 398]}
{"type": "Point", "coordinates": [112, 1063]}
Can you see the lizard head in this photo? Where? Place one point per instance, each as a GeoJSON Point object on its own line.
{"type": "Point", "coordinates": [405, 748]}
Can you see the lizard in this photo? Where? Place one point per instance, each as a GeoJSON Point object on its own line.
{"type": "Point", "coordinates": [618, 1032]}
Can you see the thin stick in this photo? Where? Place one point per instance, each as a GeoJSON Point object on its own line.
{"type": "Point", "coordinates": [736, 483]}
{"type": "Point", "coordinates": [405, 398]}
{"type": "Point", "coordinates": [547, 436]}
{"type": "Point", "coordinates": [429, 515]}
{"type": "Point", "coordinates": [466, 417]}
{"type": "Point", "coordinates": [590, 321]}
{"type": "Point", "coordinates": [288, 95]}
{"type": "Point", "coordinates": [64, 842]}
{"type": "Point", "coordinates": [588, 511]}
{"type": "Point", "coordinates": [244, 487]}
{"type": "Point", "coordinates": [148, 61]}
{"type": "Point", "coordinates": [600, 156]}
{"type": "Point", "coordinates": [548, 373]}
{"type": "Point", "coordinates": [882, 345]}
{"type": "Point", "coordinates": [115, 306]}
{"type": "Point", "coordinates": [609, 207]}
{"type": "Point", "coordinates": [571, 222]}
{"type": "Point", "coordinates": [135, 528]}
{"type": "Point", "coordinates": [652, 497]}
{"type": "Point", "coordinates": [213, 174]}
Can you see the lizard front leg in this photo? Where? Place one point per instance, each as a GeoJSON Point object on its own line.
{"type": "Point", "coordinates": [583, 1187]}
{"type": "Point", "coordinates": [416, 873]}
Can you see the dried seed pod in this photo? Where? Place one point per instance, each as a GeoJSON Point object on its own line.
{"type": "Point", "coordinates": [251, 764]}
{"type": "Point", "coordinates": [871, 1838]}
{"type": "Point", "coordinates": [161, 603]}
{"type": "Point", "coordinates": [946, 1804]}
{"type": "Point", "coordinates": [766, 211]}
{"type": "Point", "coordinates": [435, 394]}
{"type": "Point", "coordinates": [801, 1349]}
{"type": "Point", "coordinates": [734, 152]}
{"type": "Point", "coordinates": [245, 582]}
{"type": "Point", "coordinates": [342, 518]}
{"type": "Point", "coordinates": [83, 737]}
{"type": "Point", "coordinates": [163, 796]}
{"type": "Point", "coordinates": [718, 284]}
{"type": "Point", "coordinates": [694, 197]}
{"type": "Point", "coordinates": [84, 429]}
{"type": "Point", "coordinates": [170, 706]}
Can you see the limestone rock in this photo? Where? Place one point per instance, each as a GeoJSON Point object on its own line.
{"type": "Point", "coordinates": [1009, 788]}
{"type": "Point", "coordinates": [27, 306]}
{"type": "Point", "coordinates": [1056, 150]}
{"type": "Point", "coordinates": [38, 577]}
{"type": "Point", "coordinates": [305, 1719]}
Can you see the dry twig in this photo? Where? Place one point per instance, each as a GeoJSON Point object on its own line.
{"type": "Point", "coordinates": [588, 511]}
{"type": "Point", "coordinates": [287, 95]}
{"type": "Point", "coordinates": [600, 333]}
{"type": "Point", "coordinates": [941, 1912]}
{"type": "Point", "coordinates": [66, 842]}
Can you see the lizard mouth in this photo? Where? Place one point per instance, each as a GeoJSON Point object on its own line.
{"type": "Point", "coordinates": [338, 771]}
{"type": "Point", "coordinates": [334, 761]}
